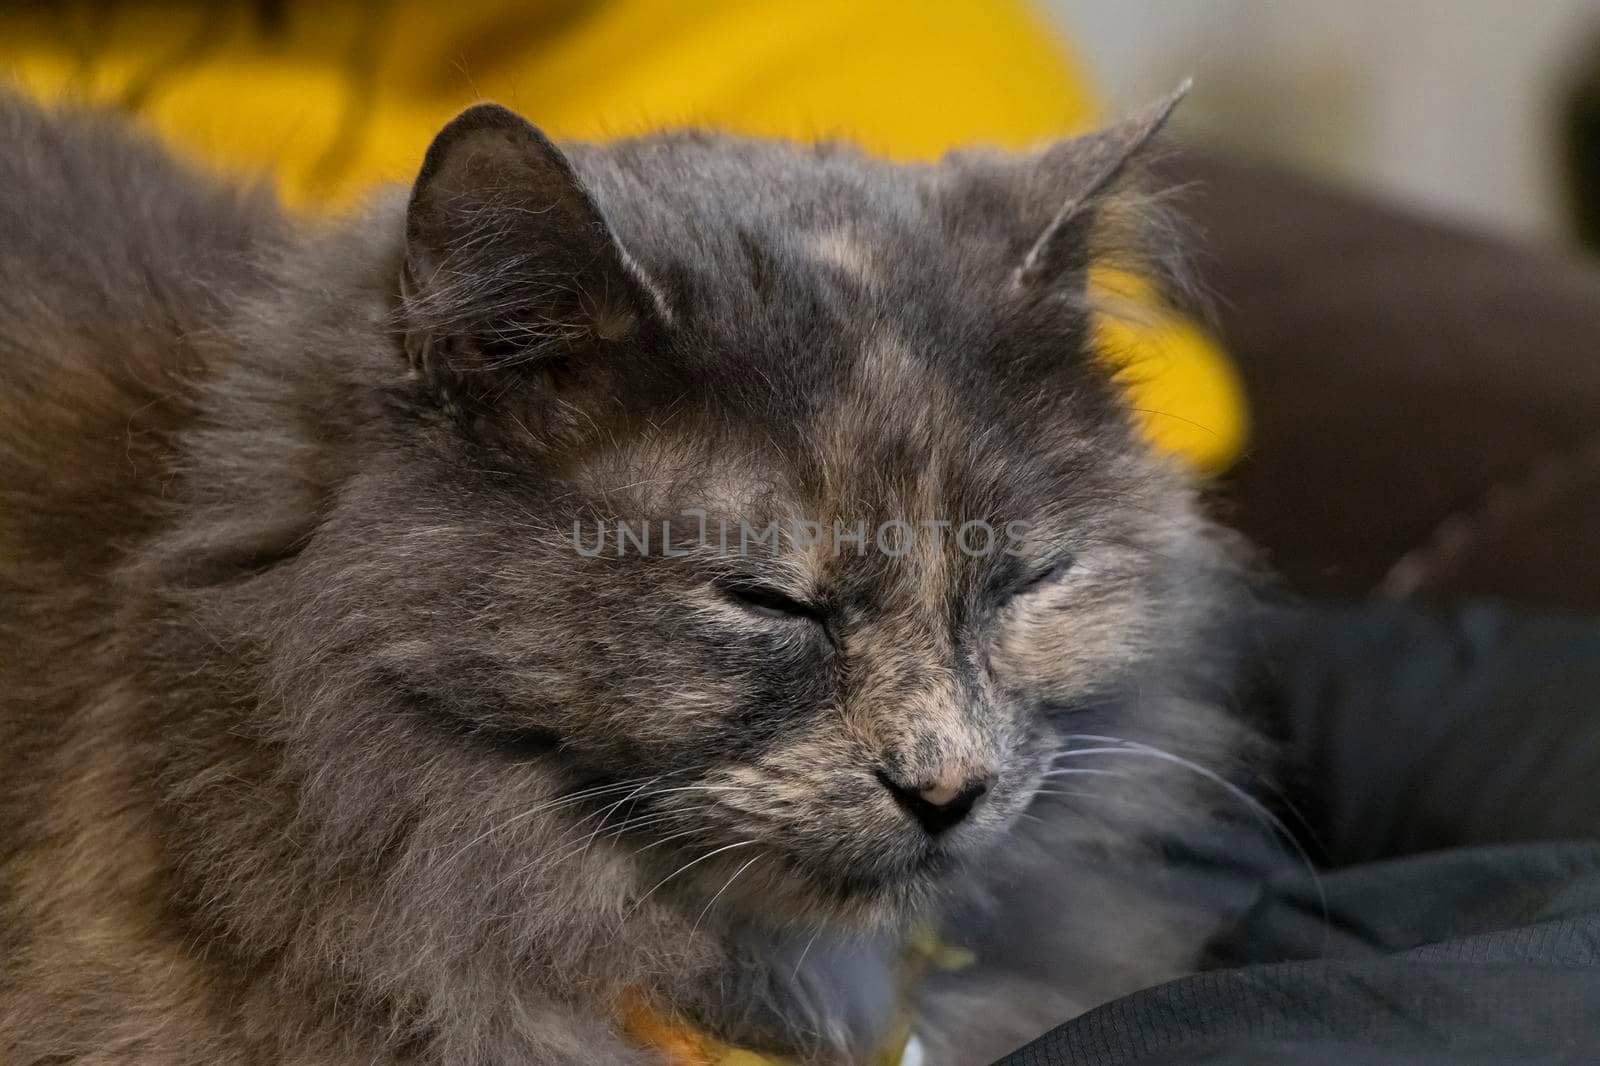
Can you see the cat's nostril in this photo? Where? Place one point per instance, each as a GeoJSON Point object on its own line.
{"type": "Point", "coordinates": [940, 806]}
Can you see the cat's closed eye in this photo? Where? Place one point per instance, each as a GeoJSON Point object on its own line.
{"type": "Point", "coordinates": [1039, 577]}
{"type": "Point", "coordinates": [769, 602]}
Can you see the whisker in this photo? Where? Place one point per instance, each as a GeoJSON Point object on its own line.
{"type": "Point", "coordinates": [628, 825]}
{"type": "Point", "coordinates": [726, 885]}
{"type": "Point", "coordinates": [698, 788]}
{"type": "Point", "coordinates": [806, 950]}
{"type": "Point", "coordinates": [1093, 751]}
{"type": "Point", "coordinates": [634, 797]}
{"type": "Point", "coordinates": [611, 833]}
{"type": "Point", "coordinates": [603, 813]}
{"type": "Point", "coordinates": [1259, 810]}
{"type": "Point", "coordinates": [1082, 770]}
{"type": "Point", "coordinates": [647, 819]}
{"type": "Point", "coordinates": [687, 866]}
{"type": "Point", "coordinates": [663, 840]}
{"type": "Point", "coordinates": [1264, 782]}
{"type": "Point", "coordinates": [564, 800]}
{"type": "Point", "coordinates": [607, 812]}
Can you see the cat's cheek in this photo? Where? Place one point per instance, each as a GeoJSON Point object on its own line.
{"type": "Point", "coordinates": [1061, 644]}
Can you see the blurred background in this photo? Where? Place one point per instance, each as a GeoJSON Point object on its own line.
{"type": "Point", "coordinates": [1454, 107]}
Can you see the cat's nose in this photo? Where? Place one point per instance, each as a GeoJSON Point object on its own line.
{"type": "Point", "coordinates": [941, 805]}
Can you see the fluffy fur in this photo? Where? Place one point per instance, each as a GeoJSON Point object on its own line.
{"type": "Point", "coordinates": [324, 744]}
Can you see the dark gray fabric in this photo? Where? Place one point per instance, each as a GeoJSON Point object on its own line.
{"type": "Point", "coordinates": [1438, 756]}
{"type": "Point", "coordinates": [1408, 731]}
{"type": "Point", "coordinates": [1487, 955]}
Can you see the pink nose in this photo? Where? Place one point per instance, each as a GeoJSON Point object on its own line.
{"type": "Point", "coordinates": [942, 805]}
{"type": "Point", "coordinates": [941, 794]}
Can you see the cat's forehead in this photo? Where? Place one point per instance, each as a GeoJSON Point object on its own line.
{"type": "Point", "coordinates": [884, 440]}
{"type": "Point", "coordinates": [843, 334]}
{"type": "Point", "coordinates": [723, 220]}
{"type": "Point", "coordinates": [700, 178]}
{"type": "Point", "coordinates": [832, 270]}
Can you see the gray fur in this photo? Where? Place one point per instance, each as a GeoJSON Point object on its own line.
{"type": "Point", "coordinates": [322, 743]}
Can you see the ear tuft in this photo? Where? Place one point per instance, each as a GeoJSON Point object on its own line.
{"type": "Point", "coordinates": [1086, 167]}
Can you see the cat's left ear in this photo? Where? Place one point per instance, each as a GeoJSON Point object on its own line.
{"type": "Point", "coordinates": [1056, 196]}
{"type": "Point", "coordinates": [508, 261]}
{"type": "Point", "coordinates": [1087, 167]}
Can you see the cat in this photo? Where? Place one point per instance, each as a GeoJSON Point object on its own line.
{"type": "Point", "coordinates": [348, 714]}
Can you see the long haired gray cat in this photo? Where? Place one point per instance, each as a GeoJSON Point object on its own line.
{"type": "Point", "coordinates": [607, 604]}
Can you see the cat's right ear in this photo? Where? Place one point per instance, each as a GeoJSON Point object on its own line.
{"type": "Point", "coordinates": [508, 262]}
{"type": "Point", "coordinates": [1050, 203]}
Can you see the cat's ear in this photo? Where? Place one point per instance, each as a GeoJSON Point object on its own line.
{"type": "Point", "coordinates": [1053, 199]}
{"type": "Point", "coordinates": [508, 261]}
{"type": "Point", "coordinates": [1084, 169]}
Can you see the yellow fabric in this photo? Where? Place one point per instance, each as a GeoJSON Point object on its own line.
{"type": "Point", "coordinates": [675, 1042]}
{"type": "Point", "coordinates": [331, 98]}
{"type": "Point", "coordinates": [679, 1045]}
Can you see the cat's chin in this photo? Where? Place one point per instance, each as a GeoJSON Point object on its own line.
{"type": "Point", "coordinates": [886, 906]}
{"type": "Point", "coordinates": [884, 900]}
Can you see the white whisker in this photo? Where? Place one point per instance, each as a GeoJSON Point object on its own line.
{"type": "Point", "coordinates": [564, 800]}
{"type": "Point", "coordinates": [1256, 808]}
{"type": "Point", "coordinates": [726, 885]}
{"type": "Point", "coordinates": [1084, 771]}
{"type": "Point", "coordinates": [687, 866]}
{"type": "Point", "coordinates": [627, 825]}
{"type": "Point", "coordinates": [601, 824]}
{"type": "Point", "coordinates": [806, 950]}
{"type": "Point", "coordinates": [1075, 752]}
{"type": "Point", "coordinates": [663, 840]}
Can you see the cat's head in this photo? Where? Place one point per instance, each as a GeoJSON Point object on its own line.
{"type": "Point", "coordinates": [753, 511]}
